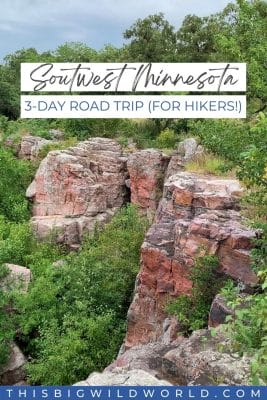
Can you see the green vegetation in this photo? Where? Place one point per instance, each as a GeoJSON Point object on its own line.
{"type": "Point", "coordinates": [166, 139]}
{"type": "Point", "coordinates": [248, 329]}
{"type": "Point", "coordinates": [61, 145]}
{"type": "Point", "coordinates": [208, 164]}
{"type": "Point", "coordinates": [15, 177]}
{"type": "Point", "coordinates": [192, 311]}
{"type": "Point", "coordinates": [72, 320]}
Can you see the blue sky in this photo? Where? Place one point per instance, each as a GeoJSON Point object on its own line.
{"type": "Point", "coordinates": [45, 24]}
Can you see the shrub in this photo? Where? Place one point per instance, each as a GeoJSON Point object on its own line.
{"type": "Point", "coordinates": [230, 138]}
{"type": "Point", "coordinates": [192, 311]}
{"type": "Point", "coordinates": [7, 328]}
{"type": "Point", "coordinates": [166, 139]}
{"type": "Point", "coordinates": [72, 320]}
{"type": "Point", "coordinates": [248, 330]}
{"type": "Point", "coordinates": [16, 175]}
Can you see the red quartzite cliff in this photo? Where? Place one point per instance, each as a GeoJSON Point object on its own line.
{"type": "Point", "coordinates": [195, 212]}
{"type": "Point", "coordinates": [76, 188]}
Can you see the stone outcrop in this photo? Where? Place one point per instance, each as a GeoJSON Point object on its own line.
{"type": "Point", "coordinates": [120, 377]}
{"type": "Point", "coordinates": [219, 311]}
{"type": "Point", "coordinates": [195, 212]}
{"type": "Point", "coordinates": [13, 372]}
{"type": "Point", "coordinates": [187, 150]}
{"type": "Point", "coordinates": [201, 359]}
{"type": "Point", "coordinates": [18, 277]}
{"type": "Point", "coordinates": [147, 170]}
{"type": "Point", "coordinates": [56, 134]}
{"type": "Point", "coordinates": [76, 188]}
{"type": "Point", "coordinates": [205, 360]}
{"type": "Point", "coordinates": [30, 147]}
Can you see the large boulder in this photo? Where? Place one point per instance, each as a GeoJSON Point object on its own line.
{"type": "Point", "coordinates": [201, 359]}
{"type": "Point", "coordinates": [119, 377]}
{"type": "Point", "coordinates": [13, 372]}
{"type": "Point", "coordinates": [195, 212]}
{"type": "Point", "coordinates": [147, 170]}
{"type": "Point", "coordinates": [17, 277]}
{"type": "Point", "coordinates": [205, 360]}
{"type": "Point", "coordinates": [76, 188]}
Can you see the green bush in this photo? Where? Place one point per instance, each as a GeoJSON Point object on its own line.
{"type": "Point", "coordinates": [7, 328]}
{"type": "Point", "coordinates": [17, 246]}
{"type": "Point", "coordinates": [15, 177]}
{"type": "Point", "coordinates": [166, 139]}
{"type": "Point", "coordinates": [73, 317]}
{"type": "Point", "coordinates": [248, 330]}
{"type": "Point", "coordinates": [192, 311]}
{"type": "Point", "coordinates": [254, 159]}
{"type": "Point", "coordinates": [230, 138]}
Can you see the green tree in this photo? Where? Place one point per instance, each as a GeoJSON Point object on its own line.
{"type": "Point", "coordinates": [152, 39]}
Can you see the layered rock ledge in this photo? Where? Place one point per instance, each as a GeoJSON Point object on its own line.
{"type": "Point", "coordinates": [196, 212]}
{"type": "Point", "coordinates": [76, 188]}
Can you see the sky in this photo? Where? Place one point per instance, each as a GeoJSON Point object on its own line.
{"type": "Point", "coordinates": [45, 24]}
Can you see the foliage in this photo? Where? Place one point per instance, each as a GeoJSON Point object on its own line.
{"type": "Point", "coordinates": [254, 160]}
{"type": "Point", "coordinates": [192, 310]}
{"type": "Point", "coordinates": [7, 330]}
{"type": "Point", "coordinates": [73, 316]}
{"type": "Point", "coordinates": [248, 329]}
{"type": "Point", "coordinates": [86, 128]}
{"type": "Point", "coordinates": [208, 164]}
{"type": "Point", "coordinates": [57, 146]}
{"type": "Point", "coordinates": [166, 139]}
{"type": "Point", "coordinates": [152, 40]}
{"type": "Point", "coordinates": [15, 177]}
{"type": "Point", "coordinates": [243, 38]}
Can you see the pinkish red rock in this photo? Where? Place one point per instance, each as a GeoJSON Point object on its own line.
{"type": "Point", "coordinates": [147, 169]}
{"type": "Point", "coordinates": [195, 212]}
{"type": "Point", "coordinates": [30, 147]}
{"type": "Point", "coordinates": [75, 188]}
{"type": "Point", "coordinates": [201, 359]}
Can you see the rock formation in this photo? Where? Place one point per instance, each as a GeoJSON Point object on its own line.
{"type": "Point", "coordinates": [120, 377]}
{"type": "Point", "coordinates": [18, 277]}
{"type": "Point", "coordinates": [147, 170]}
{"type": "Point", "coordinates": [76, 188]}
{"type": "Point", "coordinates": [195, 212]}
{"type": "Point", "coordinates": [198, 360]}
{"type": "Point", "coordinates": [30, 147]}
{"type": "Point", "coordinates": [13, 372]}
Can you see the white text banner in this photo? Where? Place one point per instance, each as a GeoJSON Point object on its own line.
{"type": "Point", "coordinates": [137, 106]}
